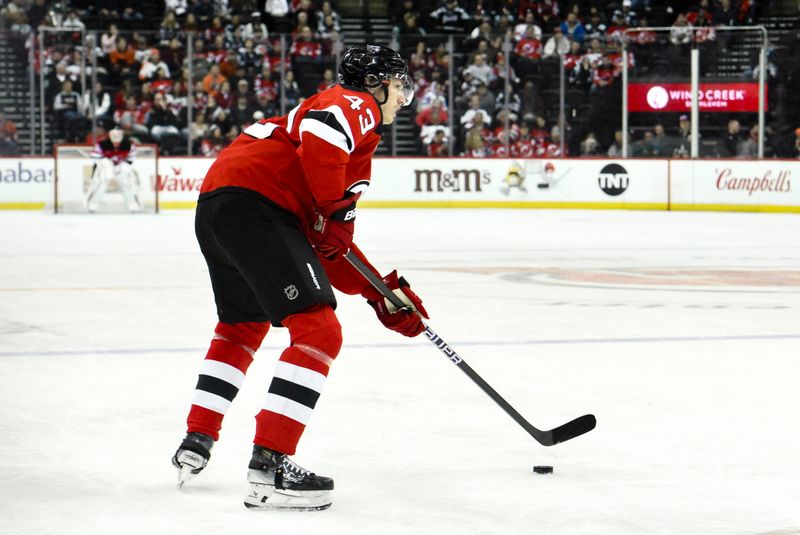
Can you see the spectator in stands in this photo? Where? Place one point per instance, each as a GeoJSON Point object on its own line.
{"type": "Point", "coordinates": [212, 82]}
{"type": "Point", "coordinates": [102, 100]}
{"type": "Point", "coordinates": [681, 32]}
{"type": "Point", "coordinates": [590, 146]}
{"type": "Point", "coordinates": [305, 48]}
{"type": "Point", "coordinates": [132, 117]}
{"type": "Point", "coordinates": [203, 10]}
{"type": "Point", "coordinates": [521, 29]}
{"type": "Point", "coordinates": [615, 32]}
{"type": "Point", "coordinates": [663, 145]}
{"type": "Point", "coordinates": [468, 118]}
{"type": "Point", "coordinates": [328, 81]}
{"type": "Point", "coordinates": [439, 145]}
{"type": "Point", "coordinates": [290, 91]}
{"type": "Point", "coordinates": [486, 99]}
{"type": "Point", "coordinates": [67, 106]}
{"type": "Point", "coordinates": [152, 65]}
{"type": "Point", "coordinates": [242, 112]}
{"type": "Point", "coordinates": [615, 149]}
{"type": "Point", "coordinates": [531, 100]}
{"type": "Point", "coordinates": [480, 70]}
{"type": "Point", "coordinates": [213, 143]}
{"type": "Point", "coordinates": [7, 146]}
{"type": "Point", "coordinates": [529, 52]}
{"type": "Point", "coordinates": [514, 101]}
{"type": "Point", "coordinates": [161, 121]}
{"type": "Point", "coordinates": [249, 30]}
{"type": "Point", "coordinates": [435, 124]}
{"type": "Point", "coordinates": [725, 14]}
{"type": "Point", "coordinates": [328, 20]}
{"type": "Point", "coordinates": [596, 28]}
{"type": "Point", "coordinates": [524, 146]}
{"type": "Point", "coordinates": [573, 28]}
{"type": "Point", "coordinates": [557, 44]}
{"type": "Point", "coordinates": [435, 115]}
{"type": "Point", "coordinates": [450, 18]}
{"type": "Point", "coordinates": [225, 97]}
{"type": "Point", "coordinates": [108, 40]}
{"type": "Point", "coordinates": [644, 147]}
{"type": "Point", "coordinates": [729, 144]}
{"type": "Point", "coordinates": [265, 103]}
{"type": "Point", "coordinates": [169, 28]}
{"type": "Point", "coordinates": [7, 127]}
{"type": "Point", "coordinates": [475, 145]}
{"type": "Point", "coordinates": [37, 13]}
{"type": "Point", "coordinates": [73, 21]}
{"type": "Point", "coordinates": [749, 147]}
{"type": "Point", "coordinates": [198, 130]}
{"type": "Point", "coordinates": [552, 148]}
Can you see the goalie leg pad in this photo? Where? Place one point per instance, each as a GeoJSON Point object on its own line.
{"type": "Point", "coordinates": [299, 377]}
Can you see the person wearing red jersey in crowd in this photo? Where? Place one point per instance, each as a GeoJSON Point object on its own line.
{"type": "Point", "coordinates": [113, 157]}
{"type": "Point", "coordinates": [305, 47]}
{"type": "Point", "coordinates": [438, 145]}
{"type": "Point", "coordinates": [275, 217]}
{"type": "Point", "coordinates": [524, 146]}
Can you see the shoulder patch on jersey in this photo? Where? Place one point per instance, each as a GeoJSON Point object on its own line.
{"type": "Point", "coordinates": [331, 125]}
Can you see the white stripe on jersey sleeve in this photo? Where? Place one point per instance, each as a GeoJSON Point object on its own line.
{"type": "Point", "coordinates": [329, 134]}
{"type": "Point", "coordinates": [290, 118]}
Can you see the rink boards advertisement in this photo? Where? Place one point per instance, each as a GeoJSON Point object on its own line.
{"type": "Point", "coordinates": [645, 184]}
{"type": "Point", "coordinates": [759, 186]}
{"type": "Point", "coordinates": [520, 183]}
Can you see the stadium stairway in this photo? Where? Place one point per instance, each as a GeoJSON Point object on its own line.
{"type": "Point", "coordinates": [15, 89]}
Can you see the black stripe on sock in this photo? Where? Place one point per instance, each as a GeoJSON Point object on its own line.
{"type": "Point", "coordinates": [213, 385]}
{"type": "Point", "coordinates": [295, 392]}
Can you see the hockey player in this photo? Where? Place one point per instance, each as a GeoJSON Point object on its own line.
{"type": "Point", "coordinates": [275, 215]}
{"type": "Point", "coordinates": [113, 157]}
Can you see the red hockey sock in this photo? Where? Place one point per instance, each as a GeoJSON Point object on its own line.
{"type": "Point", "coordinates": [299, 376]}
{"type": "Point", "coordinates": [222, 373]}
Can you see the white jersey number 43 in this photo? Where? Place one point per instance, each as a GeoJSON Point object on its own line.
{"type": "Point", "coordinates": [365, 122]}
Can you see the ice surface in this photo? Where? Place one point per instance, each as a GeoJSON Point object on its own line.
{"type": "Point", "coordinates": [680, 331]}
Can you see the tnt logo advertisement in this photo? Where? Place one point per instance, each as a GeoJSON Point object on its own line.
{"type": "Point", "coordinates": [613, 180]}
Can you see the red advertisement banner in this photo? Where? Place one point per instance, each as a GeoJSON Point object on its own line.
{"type": "Point", "coordinates": [713, 97]}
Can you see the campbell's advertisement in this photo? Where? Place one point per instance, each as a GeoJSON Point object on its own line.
{"type": "Point", "coordinates": [747, 184]}
{"type": "Point", "coordinates": [712, 97]}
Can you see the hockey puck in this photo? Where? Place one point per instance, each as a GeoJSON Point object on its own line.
{"type": "Point", "coordinates": [542, 469]}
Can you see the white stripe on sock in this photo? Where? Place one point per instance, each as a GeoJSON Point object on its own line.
{"type": "Point", "coordinates": [287, 407]}
{"type": "Point", "coordinates": [210, 401]}
{"type": "Point", "coordinates": [220, 370]}
{"type": "Point", "coordinates": [299, 375]}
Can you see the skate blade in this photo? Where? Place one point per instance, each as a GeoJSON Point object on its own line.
{"type": "Point", "coordinates": [285, 508]}
{"type": "Point", "coordinates": [184, 475]}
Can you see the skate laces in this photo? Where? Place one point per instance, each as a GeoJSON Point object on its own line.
{"type": "Point", "coordinates": [293, 472]}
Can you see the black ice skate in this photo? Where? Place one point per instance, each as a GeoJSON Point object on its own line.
{"type": "Point", "coordinates": [278, 483]}
{"type": "Point", "coordinates": [192, 456]}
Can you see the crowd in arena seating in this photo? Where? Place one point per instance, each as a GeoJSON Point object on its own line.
{"type": "Point", "coordinates": [507, 64]}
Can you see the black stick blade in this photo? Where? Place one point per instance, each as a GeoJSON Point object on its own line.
{"type": "Point", "coordinates": [569, 430]}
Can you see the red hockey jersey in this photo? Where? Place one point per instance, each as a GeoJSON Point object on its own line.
{"type": "Point", "coordinates": [308, 158]}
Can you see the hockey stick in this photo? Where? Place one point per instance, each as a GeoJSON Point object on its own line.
{"type": "Point", "coordinates": [562, 433]}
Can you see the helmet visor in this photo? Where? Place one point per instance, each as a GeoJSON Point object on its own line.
{"type": "Point", "coordinates": [407, 87]}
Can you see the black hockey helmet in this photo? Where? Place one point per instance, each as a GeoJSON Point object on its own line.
{"type": "Point", "coordinates": [369, 66]}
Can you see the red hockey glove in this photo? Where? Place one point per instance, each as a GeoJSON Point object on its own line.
{"type": "Point", "coordinates": [333, 229]}
{"type": "Point", "coordinates": [405, 321]}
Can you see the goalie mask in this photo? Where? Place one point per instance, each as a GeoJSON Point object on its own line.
{"type": "Point", "coordinates": [116, 135]}
{"type": "Point", "coordinates": [371, 66]}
